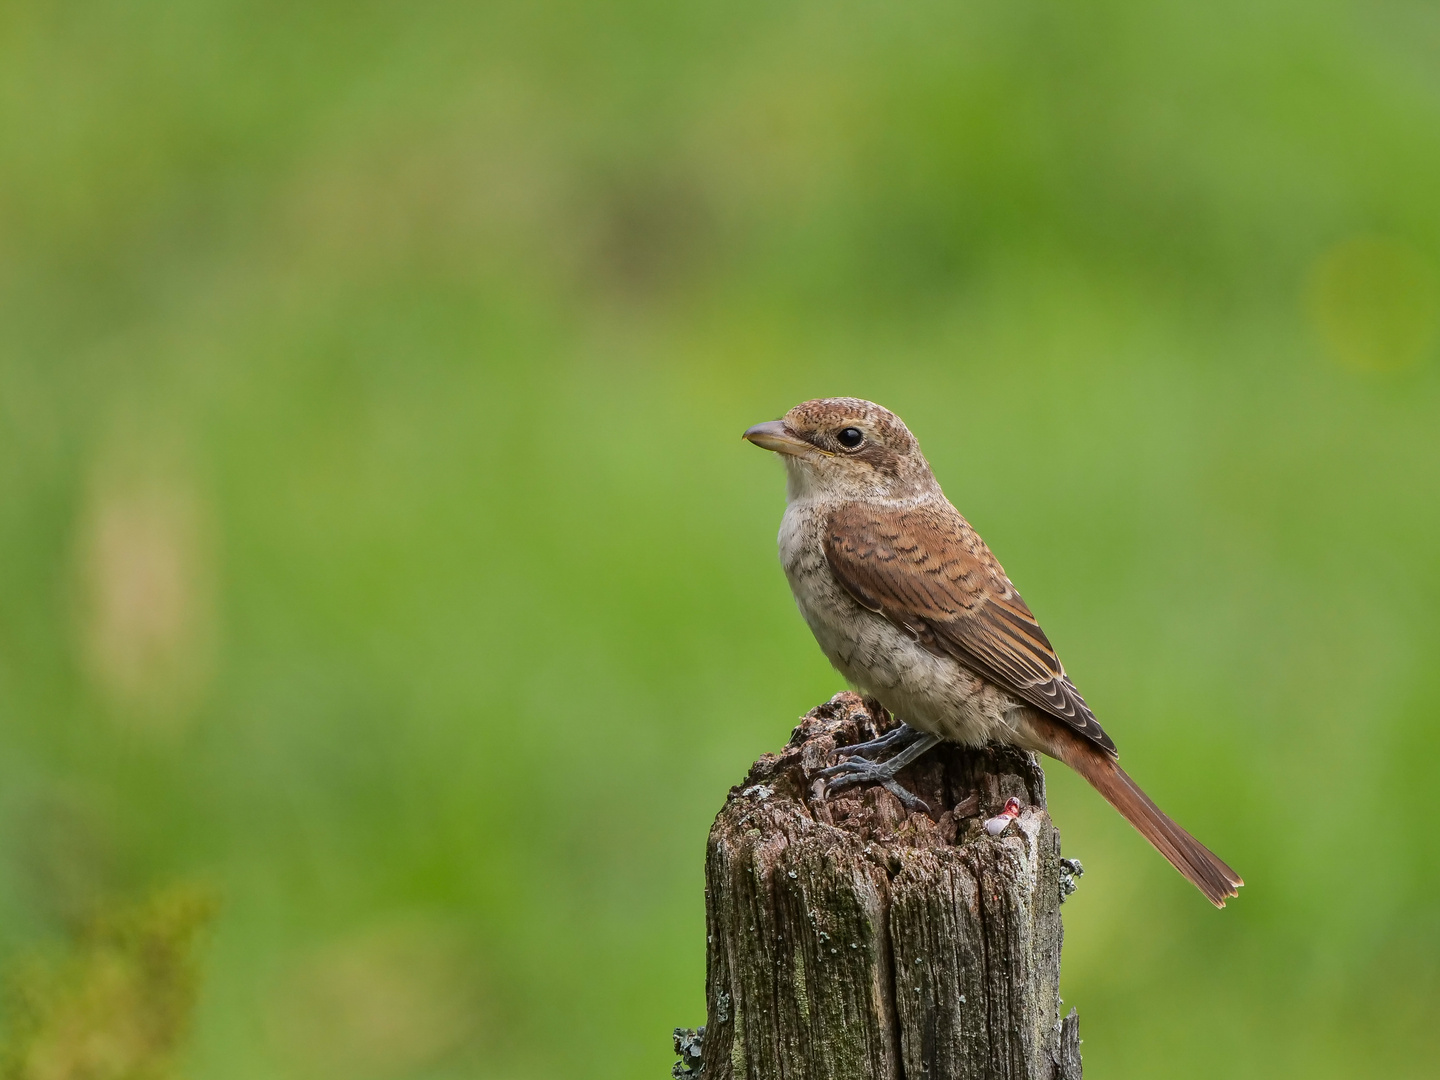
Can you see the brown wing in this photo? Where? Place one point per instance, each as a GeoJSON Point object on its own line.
{"type": "Point", "coordinates": [926, 570]}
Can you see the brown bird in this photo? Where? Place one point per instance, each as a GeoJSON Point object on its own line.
{"type": "Point", "coordinates": [912, 608]}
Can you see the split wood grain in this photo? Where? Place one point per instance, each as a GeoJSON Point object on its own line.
{"type": "Point", "coordinates": [851, 939]}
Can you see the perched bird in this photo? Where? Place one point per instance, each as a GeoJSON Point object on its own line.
{"type": "Point", "coordinates": [912, 608]}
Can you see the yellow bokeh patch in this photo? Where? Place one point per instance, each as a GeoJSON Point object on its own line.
{"type": "Point", "coordinates": [1375, 303]}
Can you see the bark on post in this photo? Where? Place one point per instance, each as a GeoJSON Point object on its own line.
{"type": "Point", "coordinates": [849, 939]}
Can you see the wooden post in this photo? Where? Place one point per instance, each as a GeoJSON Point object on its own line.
{"type": "Point", "coordinates": [850, 939]}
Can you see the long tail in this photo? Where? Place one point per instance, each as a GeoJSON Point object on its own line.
{"type": "Point", "coordinates": [1199, 865]}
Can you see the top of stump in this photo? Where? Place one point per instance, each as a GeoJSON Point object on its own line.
{"type": "Point", "coordinates": [962, 785]}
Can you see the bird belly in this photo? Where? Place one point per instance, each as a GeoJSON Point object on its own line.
{"type": "Point", "coordinates": [933, 693]}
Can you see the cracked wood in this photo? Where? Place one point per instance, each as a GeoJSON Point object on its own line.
{"type": "Point", "coordinates": [851, 939]}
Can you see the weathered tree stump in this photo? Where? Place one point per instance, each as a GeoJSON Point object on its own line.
{"type": "Point", "coordinates": [851, 939]}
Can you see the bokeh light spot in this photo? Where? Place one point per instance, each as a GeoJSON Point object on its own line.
{"type": "Point", "coordinates": [147, 623]}
{"type": "Point", "coordinates": [386, 1003]}
{"type": "Point", "coordinates": [1375, 303]}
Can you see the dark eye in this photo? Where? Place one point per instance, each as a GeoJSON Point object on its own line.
{"type": "Point", "coordinates": [850, 437]}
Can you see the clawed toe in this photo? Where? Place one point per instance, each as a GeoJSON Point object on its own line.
{"type": "Point", "coordinates": [854, 771]}
{"type": "Point", "coordinates": [906, 796]}
{"type": "Point", "coordinates": [861, 771]}
{"type": "Point", "coordinates": [898, 739]}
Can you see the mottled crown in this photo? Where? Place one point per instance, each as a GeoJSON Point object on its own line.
{"type": "Point", "coordinates": [836, 413]}
{"type": "Point", "coordinates": [890, 454]}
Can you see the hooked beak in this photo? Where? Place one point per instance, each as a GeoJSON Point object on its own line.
{"type": "Point", "coordinates": [774, 435]}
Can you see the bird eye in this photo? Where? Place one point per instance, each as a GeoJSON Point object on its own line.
{"type": "Point", "coordinates": [850, 437]}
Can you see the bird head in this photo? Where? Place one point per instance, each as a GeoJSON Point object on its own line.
{"type": "Point", "coordinates": [848, 448]}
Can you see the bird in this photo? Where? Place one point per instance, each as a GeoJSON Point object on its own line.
{"type": "Point", "coordinates": [912, 608]}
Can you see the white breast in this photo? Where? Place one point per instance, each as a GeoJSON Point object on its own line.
{"type": "Point", "coordinates": [932, 693]}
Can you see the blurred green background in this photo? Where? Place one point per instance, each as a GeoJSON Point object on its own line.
{"type": "Point", "coordinates": [380, 564]}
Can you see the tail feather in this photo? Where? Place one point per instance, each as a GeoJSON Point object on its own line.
{"type": "Point", "coordinates": [1200, 866]}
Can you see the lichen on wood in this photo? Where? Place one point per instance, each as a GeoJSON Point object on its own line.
{"type": "Point", "coordinates": [852, 939]}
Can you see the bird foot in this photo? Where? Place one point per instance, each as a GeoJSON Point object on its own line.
{"type": "Point", "coordinates": [849, 773]}
{"type": "Point", "coordinates": [859, 770]}
{"type": "Point", "coordinates": [896, 740]}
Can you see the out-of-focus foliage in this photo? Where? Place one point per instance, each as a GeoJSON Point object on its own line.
{"type": "Point", "coordinates": [118, 1004]}
{"type": "Point", "coordinates": [376, 541]}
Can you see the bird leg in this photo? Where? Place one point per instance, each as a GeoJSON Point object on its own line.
{"type": "Point", "coordinates": [861, 771]}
